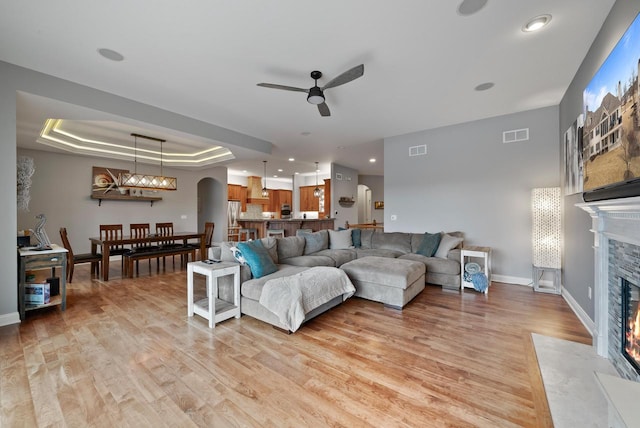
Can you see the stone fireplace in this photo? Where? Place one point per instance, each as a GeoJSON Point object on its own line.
{"type": "Point", "coordinates": [616, 228]}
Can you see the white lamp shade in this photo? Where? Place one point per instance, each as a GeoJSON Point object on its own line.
{"type": "Point", "coordinates": [546, 234]}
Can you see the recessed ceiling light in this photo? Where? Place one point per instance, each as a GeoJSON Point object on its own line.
{"type": "Point", "coordinates": [536, 23]}
{"type": "Point", "coordinates": [279, 169]}
{"type": "Point", "coordinates": [110, 54]}
{"type": "Point", "coordinates": [296, 173]}
{"type": "Point", "coordinates": [275, 176]}
{"type": "Point", "coordinates": [484, 86]}
{"type": "Point", "coordinates": [469, 7]}
{"type": "Point", "coordinates": [372, 160]}
{"type": "Point", "coordinates": [291, 159]}
{"type": "Point", "coordinates": [244, 170]}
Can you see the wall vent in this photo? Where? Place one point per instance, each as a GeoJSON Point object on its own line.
{"type": "Point", "coordinates": [418, 150]}
{"type": "Point", "coordinates": [515, 135]}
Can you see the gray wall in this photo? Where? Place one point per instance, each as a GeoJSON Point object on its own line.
{"type": "Point", "coordinates": [17, 79]}
{"type": "Point", "coordinates": [578, 253]}
{"type": "Point", "coordinates": [348, 187]}
{"type": "Point", "coordinates": [470, 181]}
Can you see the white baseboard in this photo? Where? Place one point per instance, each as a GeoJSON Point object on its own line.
{"type": "Point", "coordinates": [512, 280]}
{"type": "Point", "coordinates": [8, 319]}
{"type": "Point", "coordinates": [589, 324]}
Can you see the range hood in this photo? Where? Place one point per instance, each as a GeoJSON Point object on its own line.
{"type": "Point", "coordinates": [254, 191]}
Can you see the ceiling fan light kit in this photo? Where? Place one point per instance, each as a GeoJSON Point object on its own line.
{"type": "Point", "coordinates": [315, 94]}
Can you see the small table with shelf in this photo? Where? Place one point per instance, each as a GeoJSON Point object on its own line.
{"type": "Point", "coordinates": [212, 308]}
{"type": "Point", "coordinates": [479, 252]}
{"type": "Point", "coordinates": [31, 259]}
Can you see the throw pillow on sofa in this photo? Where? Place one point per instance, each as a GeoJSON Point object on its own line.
{"type": "Point", "coordinates": [447, 243]}
{"type": "Point", "coordinates": [340, 239]}
{"type": "Point", "coordinates": [315, 241]}
{"type": "Point", "coordinates": [258, 258]}
{"type": "Point", "coordinates": [355, 236]}
{"type": "Point", "coordinates": [429, 245]}
{"type": "Point", "coordinates": [291, 246]}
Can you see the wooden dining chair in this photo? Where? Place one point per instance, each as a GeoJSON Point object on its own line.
{"type": "Point", "coordinates": [74, 259]}
{"type": "Point", "coordinates": [166, 229]}
{"type": "Point", "coordinates": [140, 230]}
{"type": "Point", "coordinates": [208, 238]}
{"type": "Point", "coordinates": [113, 232]}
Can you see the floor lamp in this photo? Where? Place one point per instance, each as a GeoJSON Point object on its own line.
{"type": "Point", "coordinates": [547, 238]}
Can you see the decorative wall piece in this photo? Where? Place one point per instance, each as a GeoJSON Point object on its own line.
{"type": "Point", "coordinates": [107, 180]}
{"type": "Point", "coordinates": [25, 167]}
{"type": "Point", "coordinates": [379, 205]}
{"type": "Point", "coordinates": [611, 133]}
{"type": "Point", "coordinates": [573, 165]}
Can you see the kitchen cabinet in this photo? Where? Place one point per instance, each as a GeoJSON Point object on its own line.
{"type": "Point", "coordinates": [327, 198]}
{"type": "Point", "coordinates": [308, 202]}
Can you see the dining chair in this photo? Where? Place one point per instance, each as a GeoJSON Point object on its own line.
{"type": "Point", "coordinates": [140, 230]}
{"type": "Point", "coordinates": [208, 238]}
{"type": "Point", "coordinates": [166, 229]}
{"type": "Point", "coordinates": [113, 232]}
{"type": "Point", "coordinates": [74, 259]}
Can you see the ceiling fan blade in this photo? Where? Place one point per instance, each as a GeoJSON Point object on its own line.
{"type": "Point", "coordinates": [283, 87]}
{"type": "Point", "coordinates": [346, 77]}
{"type": "Point", "coordinates": [324, 109]}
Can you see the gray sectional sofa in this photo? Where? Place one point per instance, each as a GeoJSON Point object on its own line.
{"type": "Point", "coordinates": [295, 254]}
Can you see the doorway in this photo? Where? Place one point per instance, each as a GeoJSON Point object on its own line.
{"type": "Point", "coordinates": [364, 204]}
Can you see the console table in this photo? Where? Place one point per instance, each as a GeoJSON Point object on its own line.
{"type": "Point", "coordinates": [31, 259]}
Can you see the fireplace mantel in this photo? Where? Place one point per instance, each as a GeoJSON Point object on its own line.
{"type": "Point", "coordinates": [619, 220]}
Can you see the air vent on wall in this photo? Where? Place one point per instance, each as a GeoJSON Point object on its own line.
{"type": "Point", "coordinates": [418, 150]}
{"type": "Point", "coordinates": [515, 135]}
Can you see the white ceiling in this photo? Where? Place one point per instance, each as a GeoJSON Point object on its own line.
{"type": "Point", "coordinates": [203, 59]}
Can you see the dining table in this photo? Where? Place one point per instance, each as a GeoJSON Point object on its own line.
{"type": "Point", "coordinates": [106, 244]}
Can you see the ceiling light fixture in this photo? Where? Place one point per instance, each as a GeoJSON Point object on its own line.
{"type": "Point", "coordinates": [484, 86]}
{"type": "Point", "coordinates": [143, 181]}
{"type": "Point", "coordinates": [111, 54]}
{"type": "Point", "coordinates": [315, 94]}
{"type": "Point", "coordinates": [536, 23]}
{"type": "Point", "coordinates": [316, 191]}
{"type": "Point", "coordinates": [372, 160]}
{"type": "Point", "coordinates": [265, 192]}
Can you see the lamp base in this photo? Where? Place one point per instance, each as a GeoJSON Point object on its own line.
{"type": "Point", "coordinates": [542, 286]}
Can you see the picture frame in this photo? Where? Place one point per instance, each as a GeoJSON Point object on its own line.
{"type": "Point", "coordinates": [378, 205]}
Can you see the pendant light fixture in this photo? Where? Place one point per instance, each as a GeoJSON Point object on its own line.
{"type": "Point", "coordinates": [265, 192]}
{"type": "Point", "coordinates": [147, 182]}
{"type": "Point", "coordinates": [316, 191]}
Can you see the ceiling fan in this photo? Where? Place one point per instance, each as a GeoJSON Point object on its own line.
{"type": "Point", "coordinates": [315, 93]}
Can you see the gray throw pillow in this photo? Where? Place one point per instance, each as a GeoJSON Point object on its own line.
{"type": "Point", "coordinates": [315, 241]}
{"type": "Point", "coordinates": [447, 243]}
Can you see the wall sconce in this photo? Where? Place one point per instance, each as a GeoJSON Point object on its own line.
{"type": "Point", "coordinates": [547, 237]}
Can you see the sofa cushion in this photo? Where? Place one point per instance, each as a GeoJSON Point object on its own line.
{"type": "Point", "coordinates": [378, 253]}
{"type": "Point", "coordinates": [435, 264]}
{"type": "Point", "coordinates": [384, 271]}
{"type": "Point", "coordinates": [397, 241]}
{"type": "Point", "coordinates": [340, 239]}
{"type": "Point", "coordinates": [429, 244]}
{"type": "Point", "coordinates": [271, 245]}
{"type": "Point", "coordinates": [252, 288]}
{"type": "Point", "coordinates": [447, 243]}
{"type": "Point", "coordinates": [365, 238]}
{"type": "Point", "coordinates": [309, 261]}
{"type": "Point", "coordinates": [291, 246]}
{"type": "Point", "coordinates": [355, 237]}
{"type": "Point", "coordinates": [258, 258]}
{"type": "Point", "coordinates": [340, 257]}
{"type": "Point", "coordinates": [226, 255]}
{"type": "Point", "coordinates": [315, 241]}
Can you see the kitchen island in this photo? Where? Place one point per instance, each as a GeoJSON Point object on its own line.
{"type": "Point", "coordinates": [290, 226]}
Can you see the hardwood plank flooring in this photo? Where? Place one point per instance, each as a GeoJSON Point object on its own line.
{"type": "Point", "coordinates": [124, 353]}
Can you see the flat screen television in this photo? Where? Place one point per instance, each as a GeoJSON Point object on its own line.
{"type": "Point", "coordinates": [611, 130]}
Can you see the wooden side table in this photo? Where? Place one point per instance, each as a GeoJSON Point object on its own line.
{"type": "Point", "coordinates": [212, 308]}
{"type": "Point", "coordinates": [478, 252]}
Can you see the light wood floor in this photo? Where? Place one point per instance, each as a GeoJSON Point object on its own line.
{"type": "Point", "coordinates": [124, 353]}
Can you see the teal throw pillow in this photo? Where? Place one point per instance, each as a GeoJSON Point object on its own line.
{"type": "Point", "coordinates": [355, 238]}
{"type": "Point", "coordinates": [429, 244]}
{"type": "Point", "coordinates": [258, 258]}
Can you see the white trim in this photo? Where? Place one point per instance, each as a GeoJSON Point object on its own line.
{"type": "Point", "coordinates": [8, 319]}
{"type": "Point", "coordinates": [588, 323]}
{"type": "Point", "coordinates": [512, 280]}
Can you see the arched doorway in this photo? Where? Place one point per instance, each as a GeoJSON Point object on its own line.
{"type": "Point", "coordinates": [212, 206]}
{"type": "Point", "coordinates": [364, 204]}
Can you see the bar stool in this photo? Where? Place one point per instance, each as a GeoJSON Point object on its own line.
{"type": "Point", "coordinates": [247, 232]}
{"type": "Point", "coordinates": [233, 233]}
{"type": "Point", "coordinates": [275, 232]}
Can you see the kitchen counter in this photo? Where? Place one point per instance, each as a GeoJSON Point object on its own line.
{"type": "Point", "coordinates": [290, 225]}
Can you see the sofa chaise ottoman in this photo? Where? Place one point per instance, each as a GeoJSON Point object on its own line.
{"type": "Point", "coordinates": [393, 282]}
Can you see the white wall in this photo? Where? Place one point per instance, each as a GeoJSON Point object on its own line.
{"type": "Point", "coordinates": [376, 184]}
{"type": "Point", "coordinates": [470, 181]}
{"type": "Point", "coordinates": [348, 187]}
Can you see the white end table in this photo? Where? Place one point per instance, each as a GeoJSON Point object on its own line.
{"type": "Point", "coordinates": [212, 308]}
{"type": "Point", "coordinates": [480, 252]}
